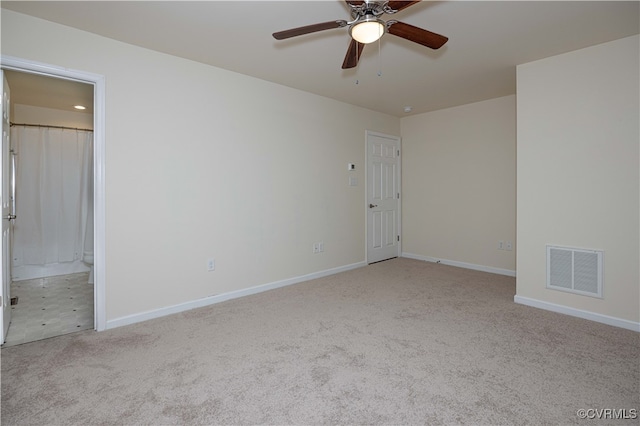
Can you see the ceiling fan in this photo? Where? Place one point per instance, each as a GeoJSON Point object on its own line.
{"type": "Point", "coordinates": [367, 27]}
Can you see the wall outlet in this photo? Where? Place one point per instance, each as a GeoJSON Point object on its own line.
{"type": "Point", "coordinates": [501, 245]}
{"type": "Point", "coordinates": [211, 265]}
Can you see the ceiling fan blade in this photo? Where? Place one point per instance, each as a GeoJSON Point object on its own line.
{"type": "Point", "coordinates": [281, 35]}
{"type": "Point", "coordinates": [399, 5]}
{"type": "Point", "coordinates": [417, 35]}
{"type": "Point", "coordinates": [353, 55]}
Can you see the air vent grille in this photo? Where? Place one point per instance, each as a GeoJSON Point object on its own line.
{"type": "Point", "coordinates": [575, 270]}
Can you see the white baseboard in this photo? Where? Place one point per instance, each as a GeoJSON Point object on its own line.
{"type": "Point", "coordinates": [211, 300]}
{"type": "Point", "coordinates": [465, 265]}
{"type": "Point", "coordinates": [561, 309]}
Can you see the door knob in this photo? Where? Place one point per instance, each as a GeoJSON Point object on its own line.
{"type": "Point", "coordinates": [372, 206]}
{"type": "Point", "coordinates": [10, 216]}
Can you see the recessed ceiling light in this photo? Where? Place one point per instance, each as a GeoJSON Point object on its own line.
{"type": "Point", "coordinates": [408, 109]}
{"type": "Point", "coordinates": [79, 107]}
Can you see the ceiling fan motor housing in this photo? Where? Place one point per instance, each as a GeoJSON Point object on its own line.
{"type": "Point", "coordinates": [375, 8]}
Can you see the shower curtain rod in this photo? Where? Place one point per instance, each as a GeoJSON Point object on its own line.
{"type": "Point", "coordinates": [50, 127]}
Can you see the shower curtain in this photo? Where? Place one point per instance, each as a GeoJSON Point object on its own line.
{"type": "Point", "coordinates": [54, 200]}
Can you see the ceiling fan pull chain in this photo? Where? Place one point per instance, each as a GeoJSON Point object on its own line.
{"type": "Point", "coordinates": [379, 57]}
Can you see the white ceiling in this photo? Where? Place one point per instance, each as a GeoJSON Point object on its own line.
{"type": "Point", "coordinates": [49, 92]}
{"type": "Point", "coordinates": [486, 41]}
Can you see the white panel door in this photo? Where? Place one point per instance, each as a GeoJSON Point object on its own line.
{"type": "Point", "coordinates": [383, 193]}
{"type": "Point", "coordinates": [5, 203]}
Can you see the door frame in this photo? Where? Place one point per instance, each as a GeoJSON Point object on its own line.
{"type": "Point", "coordinates": [7, 207]}
{"type": "Point", "coordinates": [99, 206]}
{"type": "Point", "coordinates": [366, 189]}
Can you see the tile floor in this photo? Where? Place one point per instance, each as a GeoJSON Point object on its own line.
{"type": "Point", "coordinates": [49, 307]}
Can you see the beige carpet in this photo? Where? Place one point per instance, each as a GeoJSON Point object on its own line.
{"type": "Point", "coordinates": [398, 342]}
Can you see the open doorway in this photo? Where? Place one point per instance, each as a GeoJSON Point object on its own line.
{"type": "Point", "coordinates": [99, 159]}
{"type": "Point", "coordinates": [52, 248]}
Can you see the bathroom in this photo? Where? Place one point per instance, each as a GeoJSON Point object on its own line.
{"type": "Point", "coordinates": [52, 290]}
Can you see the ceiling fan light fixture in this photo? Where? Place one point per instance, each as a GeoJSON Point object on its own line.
{"type": "Point", "coordinates": [367, 27]}
{"type": "Point", "coordinates": [367, 30]}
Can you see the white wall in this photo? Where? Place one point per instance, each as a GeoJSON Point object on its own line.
{"type": "Point", "coordinates": [206, 163]}
{"type": "Point", "coordinates": [578, 179]}
{"type": "Point", "coordinates": [458, 177]}
{"type": "Point", "coordinates": [29, 114]}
